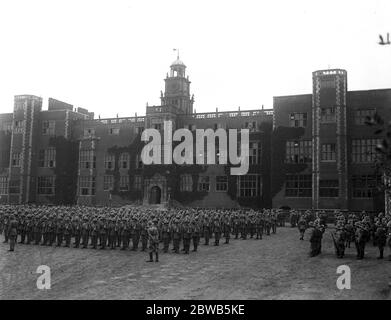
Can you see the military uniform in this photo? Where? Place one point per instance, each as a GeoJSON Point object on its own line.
{"type": "Point", "coordinates": [12, 232]}
{"type": "Point", "coordinates": [153, 237]}
{"type": "Point", "coordinates": [166, 235]}
{"type": "Point", "coordinates": [316, 239]}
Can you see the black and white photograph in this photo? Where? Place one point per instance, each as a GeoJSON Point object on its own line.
{"type": "Point", "coordinates": [165, 151]}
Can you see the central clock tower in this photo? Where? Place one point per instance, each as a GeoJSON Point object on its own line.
{"type": "Point", "coordinates": [177, 89]}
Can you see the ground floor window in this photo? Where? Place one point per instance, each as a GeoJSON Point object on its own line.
{"type": "Point", "coordinates": [124, 183]}
{"type": "Point", "coordinates": [108, 183]}
{"type": "Point", "coordinates": [298, 185]}
{"type": "Point", "coordinates": [14, 187]}
{"type": "Point", "coordinates": [87, 185]}
{"type": "Point", "coordinates": [203, 183]}
{"type": "Point", "coordinates": [3, 185]}
{"type": "Point", "coordinates": [365, 186]}
{"type": "Point", "coordinates": [137, 182]}
{"type": "Point", "coordinates": [186, 182]}
{"type": "Point", "coordinates": [46, 185]}
{"type": "Point", "coordinates": [221, 183]}
{"type": "Point", "coordinates": [249, 185]}
{"type": "Point", "coordinates": [328, 188]}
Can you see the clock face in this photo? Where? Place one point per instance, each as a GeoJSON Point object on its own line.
{"type": "Point", "coordinates": [174, 86]}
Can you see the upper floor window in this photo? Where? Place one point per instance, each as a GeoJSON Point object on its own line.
{"type": "Point", "coordinates": [89, 132]}
{"type": "Point", "coordinates": [124, 160]}
{"type": "Point", "coordinates": [364, 150]}
{"type": "Point", "coordinates": [47, 158]}
{"type": "Point", "coordinates": [251, 125]}
{"type": "Point", "coordinates": [87, 159]}
{"type": "Point", "coordinates": [297, 119]}
{"type": "Point", "coordinates": [18, 126]}
{"type": "Point", "coordinates": [327, 114]}
{"type": "Point", "coordinates": [16, 159]}
{"type": "Point", "coordinates": [114, 131]}
{"type": "Point", "coordinates": [361, 115]}
{"type": "Point", "coordinates": [254, 153]}
{"type": "Point", "coordinates": [109, 161]}
{"type": "Point", "coordinates": [48, 127]}
{"type": "Point", "coordinates": [298, 151]}
{"type": "Point", "coordinates": [328, 152]}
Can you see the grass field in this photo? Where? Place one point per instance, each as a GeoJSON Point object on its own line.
{"type": "Point", "coordinates": [277, 267]}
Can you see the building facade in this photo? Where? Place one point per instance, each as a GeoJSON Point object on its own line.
{"type": "Point", "coordinates": [309, 151]}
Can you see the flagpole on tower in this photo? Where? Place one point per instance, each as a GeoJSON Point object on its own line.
{"type": "Point", "coordinates": [177, 53]}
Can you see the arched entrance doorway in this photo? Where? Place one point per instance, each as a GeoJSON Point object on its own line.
{"type": "Point", "coordinates": [155, 195]}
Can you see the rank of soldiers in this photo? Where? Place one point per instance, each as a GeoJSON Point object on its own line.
{"type": "Point", "coordinates": [128, 227]}
{"type": "Point", "coordinates": [357, 228]}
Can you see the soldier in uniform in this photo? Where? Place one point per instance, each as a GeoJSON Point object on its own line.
{"type": "Point", "coordinates": [85, 228]}
{"type": "Point", "coordinates": [103, 229]}
{"type": "Point", "coordinates": [243, 226]}
{"type": "Point", "coordinates": [195, 233]}
{"type": "Point", "coordinates": [186, 235]}
{"type": "Point", "coordinates": [23, 228]}
{"type": "Point", "coordinates": [389, 237]}
{"type": "Point", "coordinates": [302, 225]}
{"type": "Point", "coordinates": [37, 230]}
{"type": "Point", "coordinates": [268, 223]}
{"type": "Point", "coordinates": [30, 228]}
{"type": "Point", "coordinates": [227, 228]}
{"type": "Point", "coordinates": [235, 225]}
{"type": "Point", "coordinates": [339, 239]}
{"type": "Point", "coordinates": [274, 222]}
{"type": "Point", "coordinates": [381, 236]}
{"type": "Point", "coordinates": [12, 232]}
{"type": "Point", "coordinates": [315, 239]}
{"type": "Point", "coordinates": [153, 237]}
{"type": "Point", "coordinates": [60, 231]}
{"type": "Point", "coordinates": [76, 231]}
{"type": "Point", "coordinates": [94, 233]}
{"type": "Point", "coordinates": [217, 230]}
{"type": "Point", "coordinates": [67, 232]}
{"type": "Point", "coordinates": [361, 237]}
{"type": "Point", "coordinates": [125, 233]}
{"type": "Point", "coordinates": [206, 229]}
{"type": "Point", "coordinates": [166, 235]}
{"type": "Point", "coordinates": [176, 235]}
{"type": "Point", "coordinates": [259, 225]}
{"type": "Point", "coordinates": [144, 234]}
{"type": "Point", "coordinates": [136, 234]}
{"type": "Point", "coordinates": [293, 218]}
{"type": "Point", "coordinates": [6, 222]}
{"type": "Point", "coordinates": [112, 233]}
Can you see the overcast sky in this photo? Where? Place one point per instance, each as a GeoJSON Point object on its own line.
{"type": "Point", "coordinates": [111, 56]}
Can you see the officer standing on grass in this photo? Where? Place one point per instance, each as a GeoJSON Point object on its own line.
{"type": "Point", "coordinates": [153, 238]}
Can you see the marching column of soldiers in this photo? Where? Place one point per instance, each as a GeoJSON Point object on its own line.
{"type": "Point", "coordinates": [128, 227]}
{"type": "Point", "coordinates": [357, 228]}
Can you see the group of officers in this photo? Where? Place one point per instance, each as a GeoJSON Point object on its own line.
{"type": "Point", "coordinates": [128, 227]}
{"type": "Point", "coordinates": [358, 228]}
